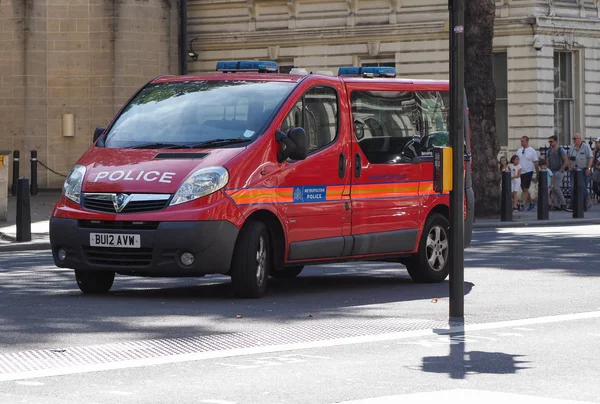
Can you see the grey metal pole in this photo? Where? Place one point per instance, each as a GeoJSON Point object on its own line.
{"type": "Point", "coordinates": [457, 132]}
{"type": "Point", "coordinates": [183, 38]}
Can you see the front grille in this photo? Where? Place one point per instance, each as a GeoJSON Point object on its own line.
{"type": "Point", "coordinates": [137, 204]}
{"type": "Point", "coordinates": [118, 257]}
{"type": "Point", "coordinates": [117, 225]}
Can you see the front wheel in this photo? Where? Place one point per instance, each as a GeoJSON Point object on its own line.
{"type": "Point", "coordinates": [251, 261]}
{"type": "Point", "coordinates": [430, 264]}
{"type": "Point", "coordinates": [94, 282]}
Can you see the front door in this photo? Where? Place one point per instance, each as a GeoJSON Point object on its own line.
{"type": "Point", "coordinates": [386, 171]}
{"type": "Point", "coordinates": [312, 191]}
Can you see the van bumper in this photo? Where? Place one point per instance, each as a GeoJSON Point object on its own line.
{"type": "Point", "coordinates": [161, 245]}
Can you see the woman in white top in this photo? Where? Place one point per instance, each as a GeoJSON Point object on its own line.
{"type": "Point", "coordinates": [515, 174]}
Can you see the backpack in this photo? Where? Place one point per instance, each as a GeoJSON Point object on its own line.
{"type": "Point", "coordinates": [555, 160]}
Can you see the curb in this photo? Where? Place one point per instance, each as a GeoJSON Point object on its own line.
{"type": "Point", "coordinates": [25, 246]}
{"type": "Point", "coordinates": [536, 223]}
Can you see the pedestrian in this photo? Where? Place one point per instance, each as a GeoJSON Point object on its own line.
{"type": "Point", "coordinates": [581, 158]}
{"type": "Point", "coordinates": [515, 183]}
{"type": "Point", "coordinates": [503, 164]}
{"type": "Point", "coordinates": [528, 158]}
{"type": "Point", "coordinates": [544, 169]}
{"type": "Point", "coordinates": [558, 164]}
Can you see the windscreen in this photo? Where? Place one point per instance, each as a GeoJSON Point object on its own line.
{"type": "Point", "coordinates": [197, 112]}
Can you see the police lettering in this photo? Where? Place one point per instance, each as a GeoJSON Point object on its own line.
{"type": "Point", "coordinates": [148, 176]}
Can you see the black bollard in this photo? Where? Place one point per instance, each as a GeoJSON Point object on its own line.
{"type": "Point", "coordinates": [13, 188]}
{"type": "Point", "coordinates": [506, 198]}
{"type": "Point", "coordinates": [34, 165]}
{"type": "Point", "coordinates": [543, 212]}
{"type": "Point", "coordinates": [23, 210]}
{"type": "Point", "coordinates": [577, 196]}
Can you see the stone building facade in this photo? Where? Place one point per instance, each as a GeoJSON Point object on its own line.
{"type": "Point", "coordinates": [79, 59]}
{"type": "Point", "coordinates": [546, 62]}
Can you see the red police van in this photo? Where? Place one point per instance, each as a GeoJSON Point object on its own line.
{"type": "Point", "coordinates": [254, 174]}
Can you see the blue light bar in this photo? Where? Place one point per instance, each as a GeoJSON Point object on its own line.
{"type": "Point", "coordinates": [248, 66]}
{"type": "Point", "coordinates": [362, 71]}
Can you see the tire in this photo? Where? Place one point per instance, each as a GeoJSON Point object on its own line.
{"type": "Point", "coordinates": [252, 260]}
{"type": "Point", "coordinates": [431, 263]}
{"type": "Point", "coordinates": [94, 282]}
{"type": "Point", "coordinates": [287, 272]}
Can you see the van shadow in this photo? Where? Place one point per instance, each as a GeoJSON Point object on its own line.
{"type": "Point", "coordinates": [46, 305]}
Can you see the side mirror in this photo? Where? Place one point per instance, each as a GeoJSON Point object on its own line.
{"type": "Point", "coordinates": [98, 132]}
{"type": "Point", "coordinates": [294, 145]}
{"type": "Point", "coordinates": [359, 129]}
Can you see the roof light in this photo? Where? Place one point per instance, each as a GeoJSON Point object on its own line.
{"type": "Point", "coordinates": [299, 71]}
{"type": "Point", "coordinates": [248, 66]}
{"type": "Point", "coordinates": [382, 71]}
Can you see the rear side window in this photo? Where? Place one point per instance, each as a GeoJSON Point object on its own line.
{"type": "Point", "coordinates": [317, 113]}
{"type": "Point", "coordinates": [397, 126]}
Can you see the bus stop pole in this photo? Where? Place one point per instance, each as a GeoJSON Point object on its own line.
{"type": "Point", "coordinates": [457, 131]}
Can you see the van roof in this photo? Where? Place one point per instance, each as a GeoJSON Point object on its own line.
{"type": "Point", "coordinates": [292, 78]}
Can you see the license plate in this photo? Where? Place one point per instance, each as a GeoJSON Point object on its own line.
{"type": "Point", "coordinates": [115, 240]}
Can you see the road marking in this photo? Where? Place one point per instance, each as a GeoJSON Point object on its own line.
{"type": "Point", "coordinates": [29, 383]}
{"type": "Point", "coordinates": [217, 402]}
{"type": "Point", "coordinates": [462, 396]}
{"type": "Point", "coordinates": [523, 329]}
{"type": "Point", "coordinates": [234, 352]}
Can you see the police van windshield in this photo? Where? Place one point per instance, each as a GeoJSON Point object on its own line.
{"type": "Point", "coordinates": [193, 114]}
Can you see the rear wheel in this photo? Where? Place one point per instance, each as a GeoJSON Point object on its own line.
{"type": "Point", "coordinates": [287, 272]}
{"type": "Point", "coordinates": [431, 262]}
{"type": "Point", "coordinates": [94, 282]}
{"type": "Point", "coordinates": [251, 261]}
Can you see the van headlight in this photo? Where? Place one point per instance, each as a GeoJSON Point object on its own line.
{"type": "Point", "coordinates": [74, 182]}
{"type": "Point", "coordinates": [201, 183]}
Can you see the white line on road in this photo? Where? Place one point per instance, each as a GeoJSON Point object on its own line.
{"type": "Point", "coordinates": [462, 396]}
{"type": "Point", "coordinates": [197, 356]}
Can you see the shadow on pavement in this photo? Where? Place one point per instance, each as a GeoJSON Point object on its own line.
{"type": "Point", "coordinates": [460, 363]}
{"type": "Point", "coordinates": [572, 250]}
{"type": "Point", "coordinates": [41, 304]}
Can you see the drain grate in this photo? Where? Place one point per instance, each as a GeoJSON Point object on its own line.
{"type": "Point", "coordinates": [21, 363]}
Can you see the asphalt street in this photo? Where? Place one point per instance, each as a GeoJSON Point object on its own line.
{"type": "Point", "coordinates": [337, 333]}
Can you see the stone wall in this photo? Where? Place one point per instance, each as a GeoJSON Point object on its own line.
{"type": "Point", "coordinates": [80, 57]}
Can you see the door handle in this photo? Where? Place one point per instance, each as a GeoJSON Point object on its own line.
{"type": "Point", "coordinates": [357, 165]}
{"type": "Point", "coordinates": [342, 166]}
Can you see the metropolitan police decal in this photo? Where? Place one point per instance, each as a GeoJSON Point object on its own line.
{"type": "Point", "coordinates": [310, 194]}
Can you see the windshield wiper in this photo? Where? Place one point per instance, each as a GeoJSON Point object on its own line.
{"type": "Point", "coordinates": [159, 146]}
{"type": "Point", "coordinates": [217, 142]}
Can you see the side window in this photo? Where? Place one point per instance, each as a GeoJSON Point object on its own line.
{"type": "Point", "coordinates": [395, 126]}
{"type": "Point", "coordinates": [317, 113]}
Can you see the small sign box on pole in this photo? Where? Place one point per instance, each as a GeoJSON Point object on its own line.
{"type": "Point", "coordinates": [442, 170]}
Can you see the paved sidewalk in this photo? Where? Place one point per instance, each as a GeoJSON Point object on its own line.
{"type": "Point", "coordinates": [525, 218]}
{"type": "Point", "coordinates": [41, 210]}
{"type": "Point", "coordinates": [42, 205]}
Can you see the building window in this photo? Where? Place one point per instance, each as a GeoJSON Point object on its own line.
{"type": "Point", "coordinates": [564, 102]}
{"type": "Point", "coordinates": [501, 83]}
{"type": "Point", "coordinates": [379, 63]}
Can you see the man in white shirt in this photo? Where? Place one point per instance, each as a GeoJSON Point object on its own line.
{"type": "Point", "coordinates": [529, 161]}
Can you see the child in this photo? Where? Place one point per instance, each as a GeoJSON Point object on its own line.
{"type": "Point", "coordinates": [544, 167]}
{"type": "Point", "coordinates": [503, 164]}
{"type": "Point", "coordinates": [515, 173]}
